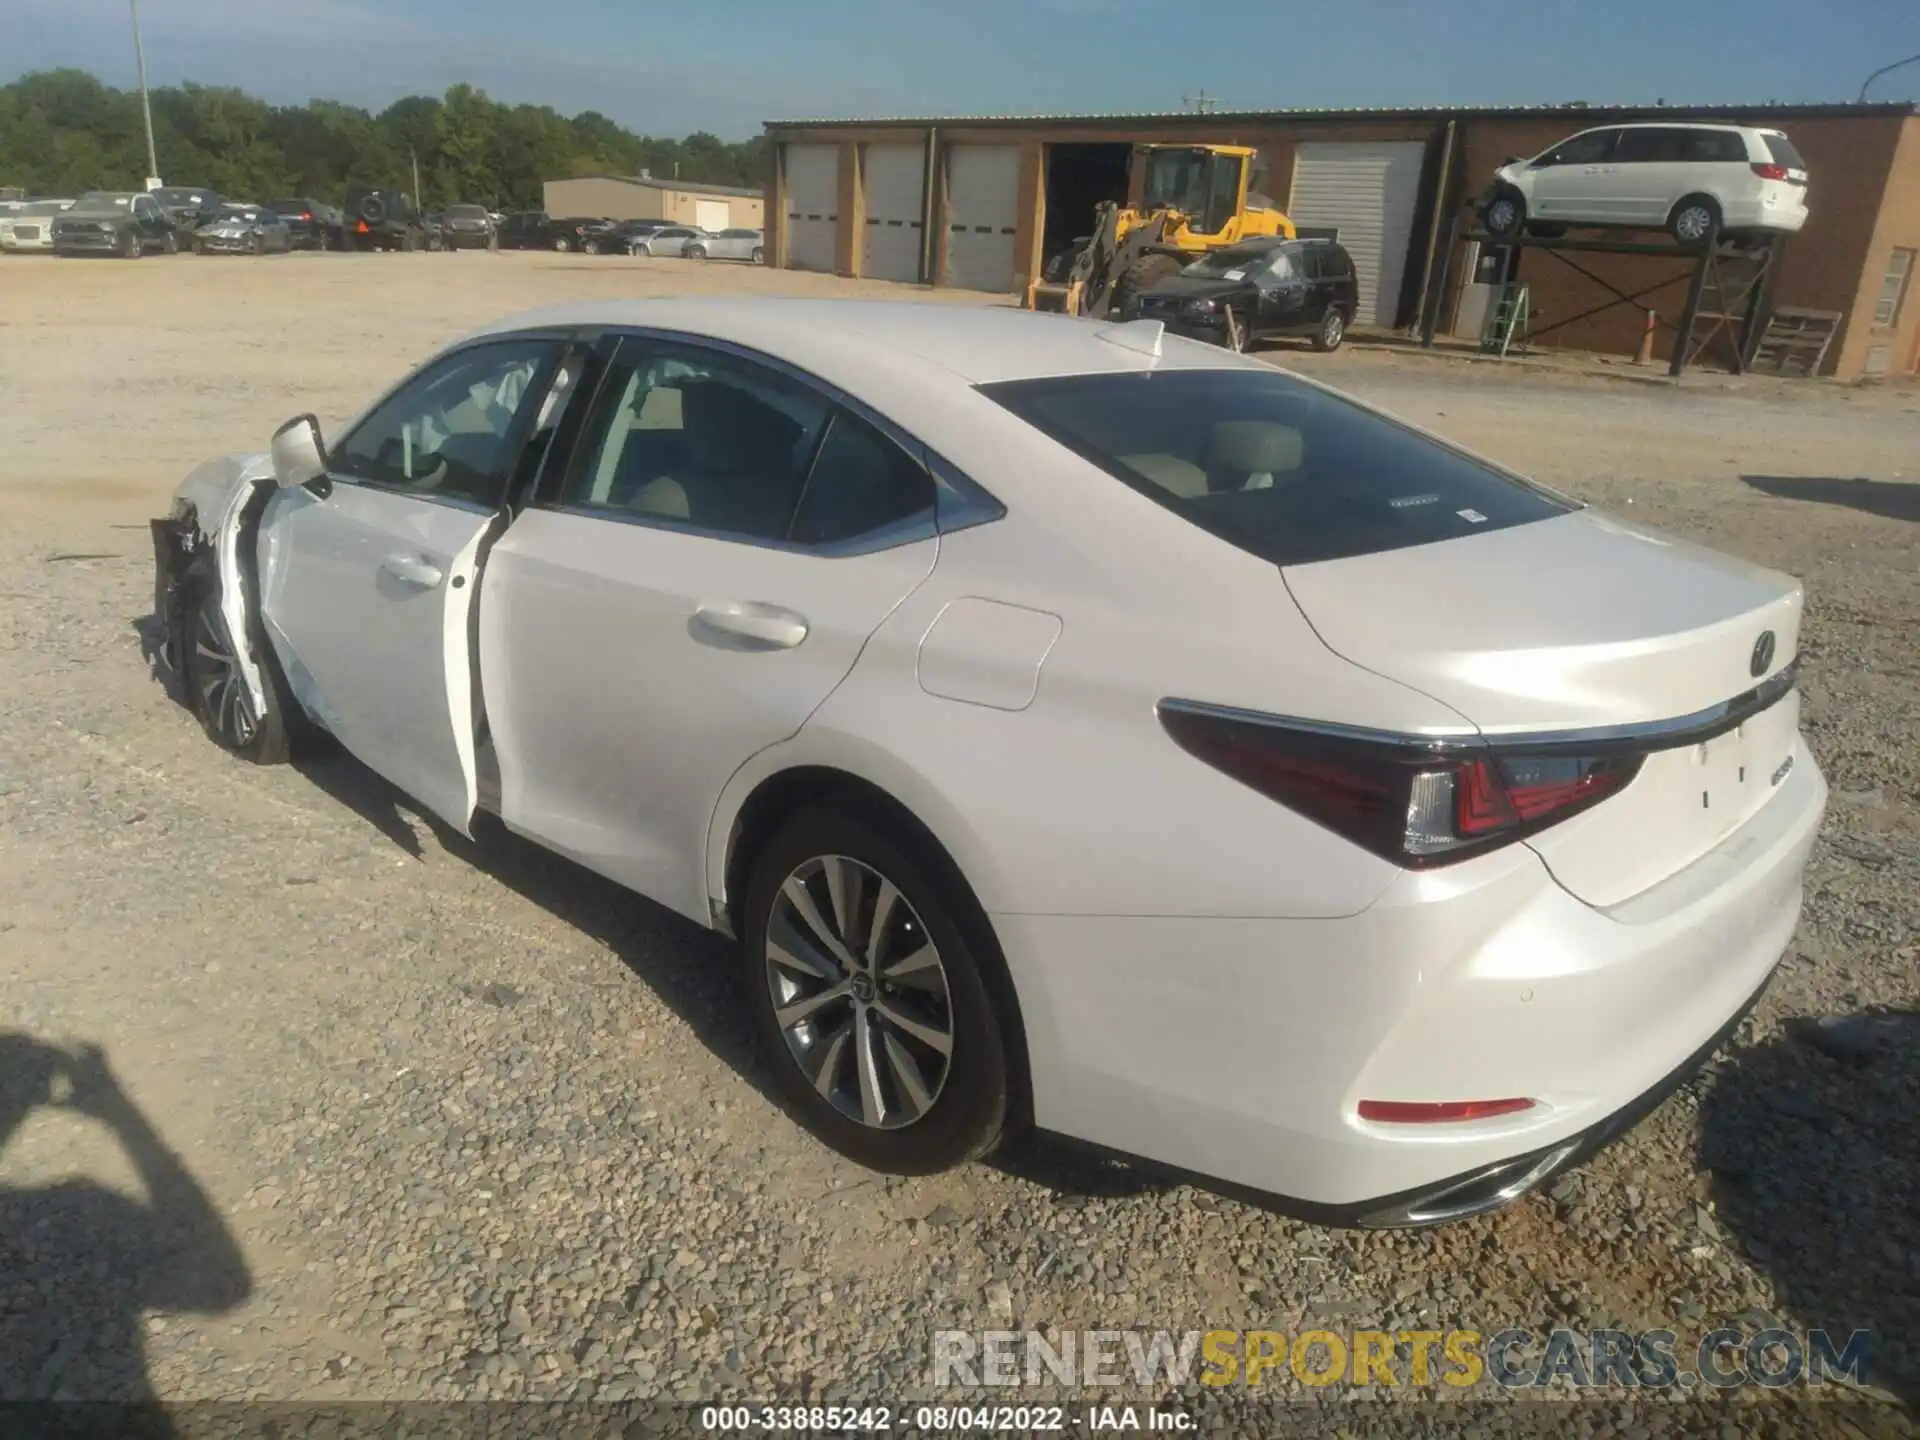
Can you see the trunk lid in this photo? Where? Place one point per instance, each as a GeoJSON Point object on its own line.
{"type": "Point", "coordinates": [1585, 623]}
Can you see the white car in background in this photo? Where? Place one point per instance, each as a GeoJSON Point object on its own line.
{"type": "Point", "coordinates": [28, 225]}
{"type": "Point", "coordinates": [1687, 178]}
{"type": "Point", "coordinates": [668, 240]}
{"type": "Point", "coordinates": [1074, 725]}
{"type": "Point", "coordinates": [737, 244]}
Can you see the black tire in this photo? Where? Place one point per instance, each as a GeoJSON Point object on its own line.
{"type": "Point", "coordinates": [218, 692]}
{"type": "Point", "coordinates": [373, 209]}
{"type": "Point", "coordinates": [172, 244]}
{"type": "Point", "coordinates": [1546, 229]}
{"type": "Point", "coordinates": [694, 252]}
{"type": "Point", "coordinates": [759, 256]}
{"type": "Point", "coordinates": [971, 1104]}
{"type": "Point", "coordinates": [1506, 213]}
{"type": "Point", "coordinates": [130, 247]}
{"type": "Point", "coordinates": [1333, 329]}
{"type": "Point", "coordinates": [1694, 218]}
{"type": "Point", "coordinates": [1237, 335]}
{"type": "Point", "coordinates": [561, 245]}
{"type": "Point", "coordinates": [259, 244]}
{"type": "Point", "coordinates": [1139, 277]}
{"type": "Point", "coordinates": [589, 247]}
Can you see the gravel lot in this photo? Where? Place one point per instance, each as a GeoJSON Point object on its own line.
{"type": "Point", "coordinates": [432, 1118]}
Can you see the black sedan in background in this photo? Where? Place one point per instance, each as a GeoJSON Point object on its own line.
{"type": "Point", "coordinates": [312, 224]}
{"type": "Point", "coordinates": [526, 230]}
{"type": "Point", "coordinates": [586, 234]}
{"type": "Point", "coordinates": [114, 222]}
{"type": "Point", "coordinates": [1264, 287]}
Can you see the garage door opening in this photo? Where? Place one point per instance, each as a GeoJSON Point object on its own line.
{"type": "Point", "coordinates": [1079, 178]}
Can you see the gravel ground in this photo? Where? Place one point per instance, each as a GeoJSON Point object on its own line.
{"type": "Point", "coordinates": [383, 1113]}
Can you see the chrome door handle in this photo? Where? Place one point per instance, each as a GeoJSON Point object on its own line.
{"type": "Point", "coordinates": [411, 570]}
{"type": "Point", "coordinates": [750, 625]}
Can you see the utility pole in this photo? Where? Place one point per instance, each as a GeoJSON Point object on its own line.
{"type": "Point", "coordinates": [1882, 71]}
{"type": "Point", "coordinates": [1202, 103]}
{"type": "Point", "coordinates": [419, 202]}
{"type": "Point", "coordinates": [146, 109]}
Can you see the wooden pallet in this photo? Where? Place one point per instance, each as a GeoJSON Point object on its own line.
{"type": "Point", "coordinates": [1795, 341]}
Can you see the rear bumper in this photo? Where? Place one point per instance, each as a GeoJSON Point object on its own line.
{"type": "Point", "coordinates": [1240, 1049]}
{"type": "Point", "coordinates": [1785, 213]}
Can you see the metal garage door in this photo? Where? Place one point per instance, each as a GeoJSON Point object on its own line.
{"type": "Point", "coordinates": [1369, 190]}
{"type": "Point", "coordinates": [896, 192]}
{"type": "Point", "coordinates": [983, 196]}
{"type": "Point", "coordinates": [813, 205]}
{"type": "Point", "coordinates": [712, 214]}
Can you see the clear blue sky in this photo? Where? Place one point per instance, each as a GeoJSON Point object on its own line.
{"type": "Point", "coordinates": [672, 66]}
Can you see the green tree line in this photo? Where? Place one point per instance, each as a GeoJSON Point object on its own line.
{"type": "Point", "coordinates": [62, 132]}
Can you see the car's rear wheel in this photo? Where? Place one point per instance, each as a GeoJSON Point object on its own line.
{"type": "Point", "coordinates": [1333, 329]}
{"type": "Point", "coordinates": [695, 252]}
{"type": "Point", "coordinates": [1506, 213]}
{"type": "Point", "coordinates": [869, 998]}
{"type": "Point", "coordinates": [219, 691]}
{"type": "Point", "coordinates": [759, 255]}
{"type": "Point", "coordinates": [1694, 219]}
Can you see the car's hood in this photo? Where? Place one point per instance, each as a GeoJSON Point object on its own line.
{"type": "Point", "coordinates": [1196, 287]}
{"type": "Point", "coordinates": [1576, 622]}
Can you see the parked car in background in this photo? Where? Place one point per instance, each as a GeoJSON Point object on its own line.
{"type": "Point", "coordinates": [375, 219]}
{"type": "Point", "coordinates": [244, 229]}
{"type": "Point", "coordinates": [1684, 178]}
{"type": "Point", "coordinates": [624, 232]}
{"type": "Point", "coordinates": [467, 227]}
{"type": "Point", "coordinates": [313, 224]}
{"type": "Point", "coordinates": [582, 234]}
{"type": "Point", "coordinates": [1247, 292]}
{"type": "Point", "coordinates": [1505, 804]}
{"type": "Point", "coordinates": [727, 245]}
{"type": "Point", "coordinates": [114, 222]}
{"type": "Point", "coordinates": [28, 225]}
{"type": "Point", "coordinates": [525, 230]}
{"type": "Point", "coordinates": [668, 240]}
{"type": "Point", "coordinates": [187, 208]}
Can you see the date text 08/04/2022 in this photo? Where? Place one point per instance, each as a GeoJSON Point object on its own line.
{"type": "Point", "coordinates": [940, 1419]}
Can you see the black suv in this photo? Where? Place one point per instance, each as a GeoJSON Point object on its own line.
{"type": "Point", "coordinates": [187, 208]}
{"type": "Point", "coordinates": [382, 220]}
{"type": "Point", "coordinates": [1258, 288]}
{"type": "Point", "coordinates": [526, 230]}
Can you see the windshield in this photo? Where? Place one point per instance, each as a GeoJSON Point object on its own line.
{"type": "Point", "coordinates": [1222, 264]}
{"type": "Point", "coordinates": [1177, 179]}
{"type": "Point", "coordinates": [177, 199]}
{"type": "Point", "coordinates": [291, 207]}
{"type": "Point", "coordinates": [1272, 466]}
{"type": "Point", "coordinates": [101, 202]}
{"type": "Point", "coordinates": [41, 207]}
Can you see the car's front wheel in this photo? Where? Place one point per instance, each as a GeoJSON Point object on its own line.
{"type": "Point", "coordinates": [560, 245]}
{"type": "Point", "coordinates": [1237, 335]}
{"type": "Point", "coordinates": [1506, 214]}
{"type": "Point", "coordinates": [870, 1000]}
{"type": "Point", "coordinates": [219, 691]}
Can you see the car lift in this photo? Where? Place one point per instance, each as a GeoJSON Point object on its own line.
{"type": "Point", "coordinates": [1726, 292]}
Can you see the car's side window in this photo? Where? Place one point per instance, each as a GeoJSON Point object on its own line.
{"type": "Point", "coordinates": [1653, 145]}
{"type": "Point", "coordinates": [861, 482]}
{"type": "Point", "coordinates": [1588, 149]}
{"type": "Point", "coordinates": [701, 438]}
{"type": "Point", "coordinates": [456, 428]}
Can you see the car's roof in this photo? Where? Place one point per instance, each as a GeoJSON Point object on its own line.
{"type": "Point", "coordinates": [979, 344]}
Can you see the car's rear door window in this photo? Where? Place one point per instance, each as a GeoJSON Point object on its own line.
{"type": "Point", "coordinates": [1278, 468]}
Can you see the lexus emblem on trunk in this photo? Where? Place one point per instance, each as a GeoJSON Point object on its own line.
{"type": "Point", "coordinates": [1762, 653]}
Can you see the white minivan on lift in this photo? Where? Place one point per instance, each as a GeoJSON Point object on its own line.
{"type": "Point", "coordinates": [1693, 180]}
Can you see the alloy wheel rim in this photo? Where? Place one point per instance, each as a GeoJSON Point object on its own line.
{"type": "Point", "coordinates": [1692, 223]}
{"type": "Point", "coordinates": [222, 690]}
{"type": "Point", "coordinates": [1332, 329]}
{"type": "Point", "coordinates": [1236, 332]}
{"type": "Point", "coordinates": [1500, 217]}
{"type": "Point", "coordinates": [859, 992]}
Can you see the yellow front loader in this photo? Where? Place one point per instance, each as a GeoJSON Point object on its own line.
{"type": "Point", "coordinates": [1193, 199]}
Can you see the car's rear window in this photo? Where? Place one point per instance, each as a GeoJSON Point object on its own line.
{"type": "Point", "coordinates": [467, 212]}
{"type": "Point", "coordinates": [1783, 153]}
{"type": "Point", "coordinates": [1275, 467]}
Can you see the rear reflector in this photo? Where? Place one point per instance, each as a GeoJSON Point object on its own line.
{"type": "Point", "coordinates": [1770, 172]}
{"type": "Point", "coordinates": [1417, 803]}
{"type": "Point", "coordinates": [363, 227]}
{"type": "Point", "coordinates": [1418, 1112]}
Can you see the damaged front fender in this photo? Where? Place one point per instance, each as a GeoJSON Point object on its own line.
{"type": "Point", "coordinates": [207, 534]}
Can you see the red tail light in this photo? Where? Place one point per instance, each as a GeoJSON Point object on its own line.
{"type": "Point", "coordinates": [306, 215]}
{"type": "Point", "coordinates": [1416, 803]}
{"type": "Point", "coordinates": [1770, 172]}
{"type": "Point", "coordinates": [1412, 1112]}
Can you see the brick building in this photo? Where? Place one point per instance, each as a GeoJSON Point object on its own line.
{"type": "Point", "coordinates": [854, 197]}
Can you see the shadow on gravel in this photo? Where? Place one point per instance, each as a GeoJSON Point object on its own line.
{"type": "Point", "coordinates": [81, 1263]}
{"type": "Point", "coordinates": [1889, 499]}
{"type": "Point", "coordinates": [1813, 1143]}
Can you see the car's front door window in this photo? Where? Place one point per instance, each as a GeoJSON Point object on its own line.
{"type": "Point", "coordinates": [456, 428]}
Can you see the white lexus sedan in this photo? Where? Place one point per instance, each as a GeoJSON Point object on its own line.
{"type": "Point", "coordinates": [1076, 726]}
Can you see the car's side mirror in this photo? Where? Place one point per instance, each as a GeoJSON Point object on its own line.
{"type": "Point", "coordinates": [299, 455]}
